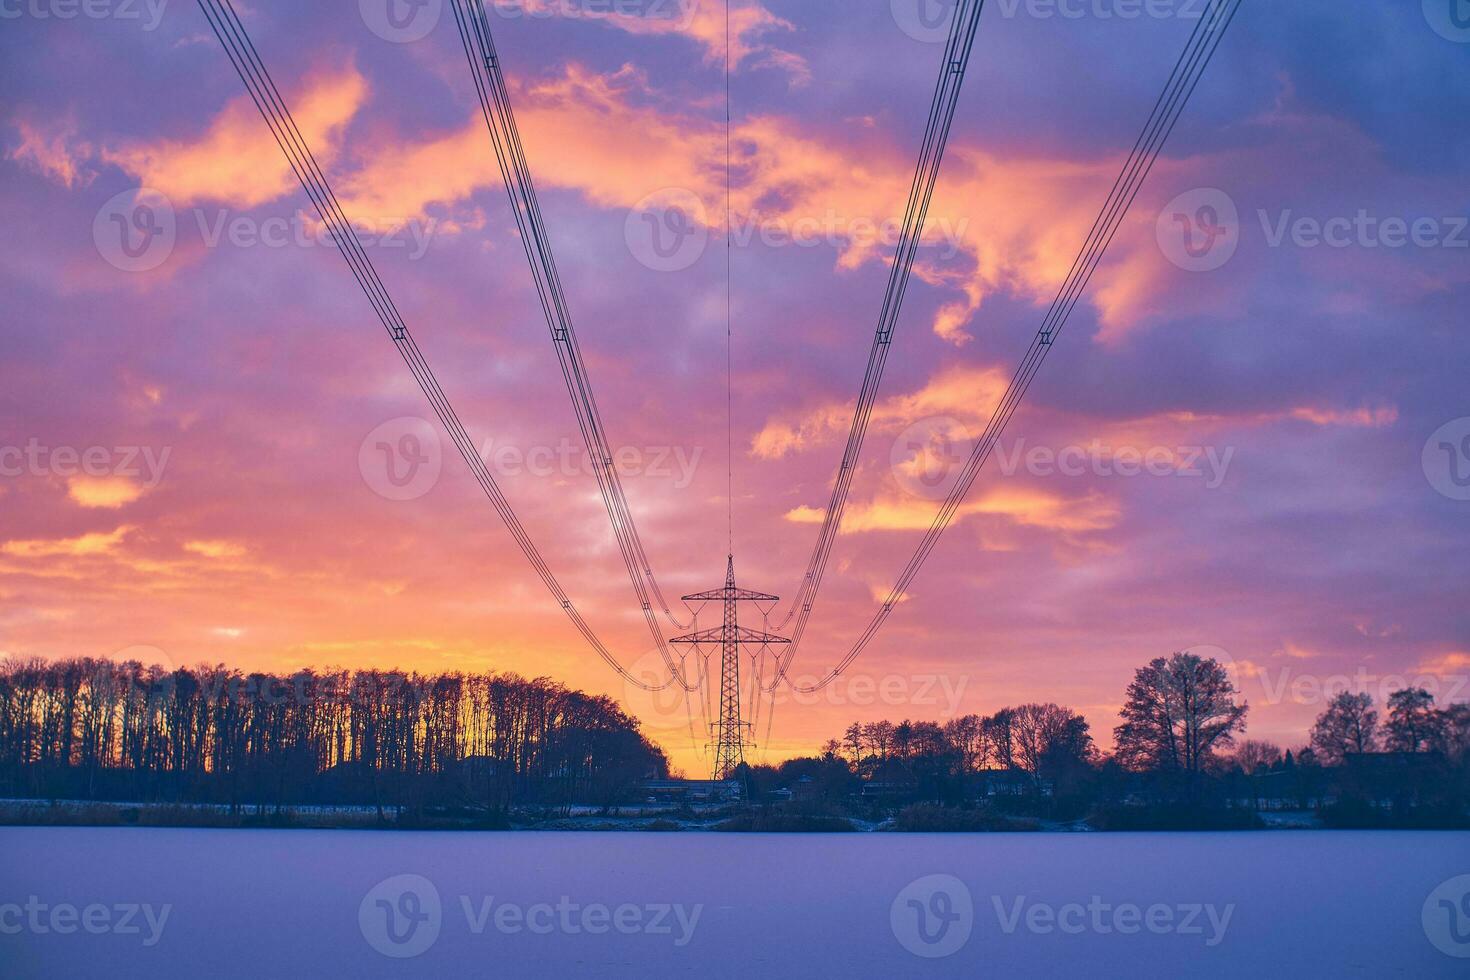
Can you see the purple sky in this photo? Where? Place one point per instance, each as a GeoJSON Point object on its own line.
{"type": "Point", "coordinates": [1284, 393]}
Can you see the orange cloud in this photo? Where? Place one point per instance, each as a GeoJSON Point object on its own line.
{"type": "Point", "coordinates": [580, 133]}
{"type": "Point", "coordinates": [967, 395]}
{"type": "Point", "coordinates": [702, 22]}
{"type": "Point", "coordinates": [1016, 221]}
{"type": "Point", "coordinates": [1455, 662]}
{"type": "Point", "coordinates": [109, 492]}
{"type": "Point", "coordinates": [215, 549]}
{"type": "Point", "coordinates": [880, 593]}
{"type": "Point", "coordinates": [1020, 505]}
{"type": "Point", "coordinates": [52, 153]}
{"type": "Point", "coordinates": [122, 560]}
{"type": "Point", "coordinates": [949, 323]}
{"type": "Point", "coordinates": [94, 543]}
{"type": "Point", "coordinates": [1184, 428]}
{"type": "Point", "coordinates": [236, 161]}
{"type": "Point", "coordinates": [1366, 418]}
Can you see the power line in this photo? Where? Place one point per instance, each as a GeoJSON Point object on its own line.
{"type": "Point", "coordinates": [494, 95]}
{"type": "Point", "coordinates": [494, 99]}
{"type": "Point", "coordinates": [957, 50]}
{"type": "Point", "coordinates": [267, 98]}
{"type": "Point", "coordinates": [958, 47]}
{"type": "Point", "coordinates": [1203, 43]}
{"type": "Point", "coordinates": [729, 336]}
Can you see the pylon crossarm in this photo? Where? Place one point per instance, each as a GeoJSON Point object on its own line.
{"type": "Point", "coordinates": [741, 634]}
{"type": "Point", "coordinates": [731, 594]}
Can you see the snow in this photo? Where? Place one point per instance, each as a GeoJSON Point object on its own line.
{"type": "Point", "coordinates": [254, 903]}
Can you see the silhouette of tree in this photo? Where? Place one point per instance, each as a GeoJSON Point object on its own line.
{"type": "Point", "coordinates": [903, 738]}
{"type": "Point", "coordinates": [89, 728]}
{"type": "Point", "coordinates": [1413, 724]}
{"type": "Point", "coordinates": [1048, 734]}
{"type": "Point", "coordinates": [1255, 759]}
{"type": "Point", "coordinates": [967, 735]}
{"type": "Point", "coordinates": [1254, 756]}
{"type": "Point", "coordinates": [879, 736]}
{"type": "Point", "coordinates": [853, 741]}
{"type": "Point", "coordinates": [1178, 712]}
{"type": "Point", "coordinates": [1455, 721]}
{"type": "Point", "coordinates": [997, 729]}
{"type": "Point", "coordinates": [1350, 724]}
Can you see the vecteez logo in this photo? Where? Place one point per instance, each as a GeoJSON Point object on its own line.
{"type": "Point", "coordinates": [401, 916]}
{"type": "Point", "coordinates": [1446, 459]}
{"type": "Point", "coordinates": [401, 21]}
{"type": "Point", "coordinates": [926, 455]}
{"type": "Point", "coordinates": [153, 686]}
{"type": "Point", "coordinates": [1199, 230]}
{"type": "Point", "coordinates": [926, 21]}
{"type": "Point", "coordinates": [649, 692]}
{"type": "Point", "coordinates": [933, 916]}
{"type": "Point", "coordinates": [149, 13]}
{"type": "Point", "coordinates": [1449, 18]}
{"type": "Point", "coordinates": [401, 459]}
{"type": "Point", "coordinates": [135, 231]}
{"type": "Point", "coordinates": [1446, 917]}
{"type": "Point", "coordinates": [667, 231]}
{"type": "Point", "coordinates": [39, 918]}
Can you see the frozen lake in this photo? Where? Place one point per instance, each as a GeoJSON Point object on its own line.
{"type": "Point", "coordinates": [248, 903]}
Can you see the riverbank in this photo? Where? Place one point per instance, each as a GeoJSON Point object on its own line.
{"type": "Point", "coordinates": [641, 818]}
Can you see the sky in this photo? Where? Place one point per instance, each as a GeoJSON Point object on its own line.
{"type": "Point", "coordinates": [1253, 439]}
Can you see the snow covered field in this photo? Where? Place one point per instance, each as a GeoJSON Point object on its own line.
{"type": "Point", "coordinates": [77, 902]}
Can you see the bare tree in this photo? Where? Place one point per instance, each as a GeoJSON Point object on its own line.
{"type": "Point", "coordinates": [1253, 756]}
{"type": "Point", "coordinates": [1045, 733]}
{"type": "Point", "coordinates": [997, 729]}
{"type": "Point", "coordinates": [1178, 712]}
{"type": "Point", "coordinates": [1413, 724]}
{"type": "Point", "coordinates": [212, 734]}
{"type": "Point", "coordinates": [880, 737]}
{"type": "Point", "coordinates": [1256, 758]}
{"type": "Point", "coordinates": [967, 735]}
{"type": "Point", "coordinates": [853, 741]}
{"type": "Point", "coordinates": [1350, 724]}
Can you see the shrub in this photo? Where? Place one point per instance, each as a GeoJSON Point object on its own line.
{"type": "Point", "coordinates": [927, 818]}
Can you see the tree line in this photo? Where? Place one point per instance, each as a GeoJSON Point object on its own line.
{"type": "Point", "coordinates": [93, 729]}
{"type": "Point", "coordinates": [1178, 744]}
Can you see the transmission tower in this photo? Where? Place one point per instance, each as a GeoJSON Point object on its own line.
{"type": "Point", "coordinates": [729, 730]}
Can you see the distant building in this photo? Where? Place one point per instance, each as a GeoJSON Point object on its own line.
{"type": "Point", "coordinates": [890, 781]}
{"type": "Point", "coordinates": [989, 783]}
{"type": "Point", "coordinates": [805, 788]}
{"type": "Point", "coordinates": [692, 790]}
{"type": "Point", "coordinates": [1278, 790]}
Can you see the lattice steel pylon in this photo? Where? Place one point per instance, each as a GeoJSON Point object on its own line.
{"type": "Point", "coordinates": [729, 730]}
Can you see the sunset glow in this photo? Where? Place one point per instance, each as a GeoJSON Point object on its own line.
{"type": "Point", "coordinates": [191, 457]}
